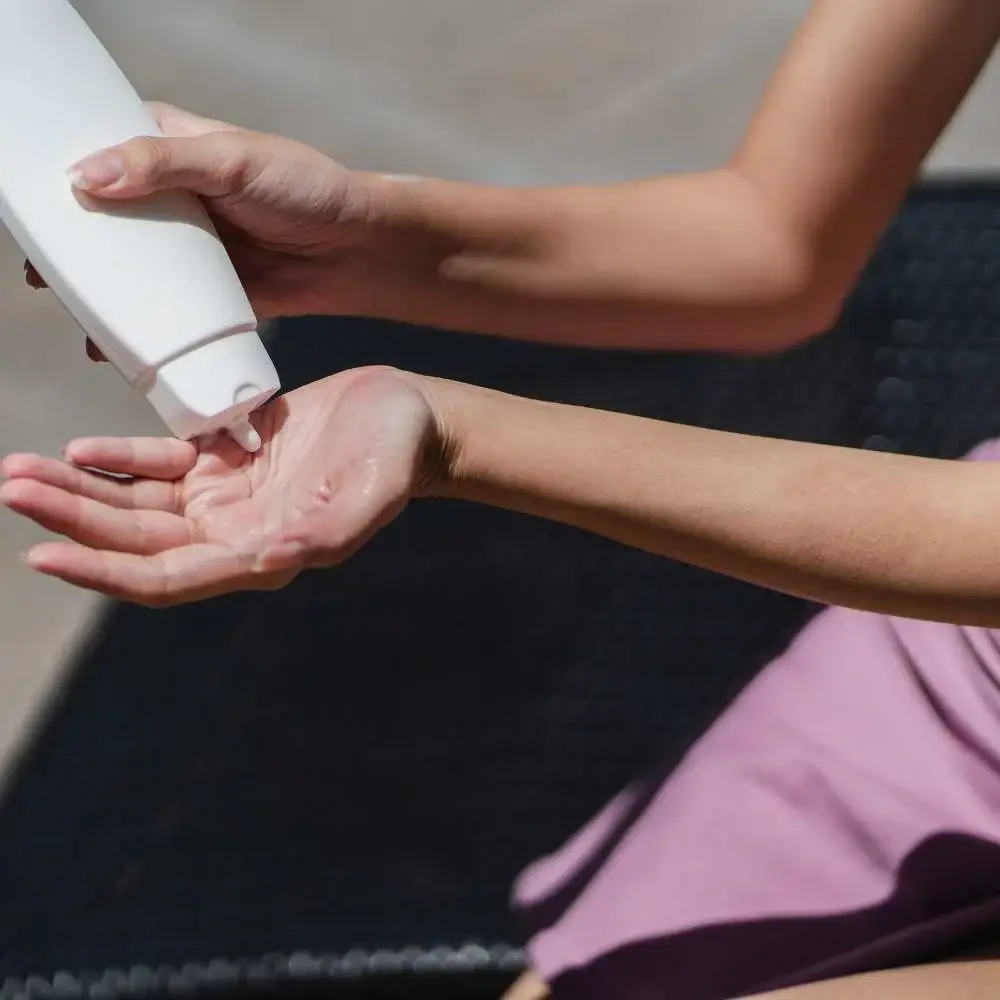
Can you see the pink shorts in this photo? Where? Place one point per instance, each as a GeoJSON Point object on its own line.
{"type": "Point", "coordinates": [842, 816]}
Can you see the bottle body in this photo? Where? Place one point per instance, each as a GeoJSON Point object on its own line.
{"type": "Point", "coordinates": [150, 282]}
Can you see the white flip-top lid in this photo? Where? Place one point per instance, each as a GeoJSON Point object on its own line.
{"type": "Point", "coordinates": [216, 387]}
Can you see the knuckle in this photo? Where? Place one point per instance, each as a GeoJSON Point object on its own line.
{"type": "Point", "coordinates": [232, 156]}
{"type": "Point", "coordinates": [148, 156]}
{"type": "Point", "coordinates": [282, 580]}
{"type": "Point", "coordinates": [269, 580]}
{"type": "Point", "coordinates": [154, 592]}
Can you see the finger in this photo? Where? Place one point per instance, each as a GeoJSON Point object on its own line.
{"type": "Point", "coordinates": [32, 278]}
{"type": "Point", "coordinates": [211, 165]}
{"type": "Point", "coordinates": [94, 352]}
{"type": "Point", "coordinates": [127, 494]}
{"type": "Point", "coordinates": [95, 524]}
{"type": "Point", "coordinates": [146, 458]}
{"type": "Point", "coordinates": [182, 575]}
{"type": "Point", "coordinates": [178, 123]}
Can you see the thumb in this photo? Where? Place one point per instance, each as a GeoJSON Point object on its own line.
{"type": "Point", "coordinates": [211, 165]}
{"type": "Point", "coordinates": [178, 122]}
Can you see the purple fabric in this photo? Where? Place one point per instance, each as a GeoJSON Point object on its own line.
{"type": "Point", "coordinates": [843, 815]}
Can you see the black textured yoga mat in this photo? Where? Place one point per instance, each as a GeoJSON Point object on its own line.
{"type": "Point", "coordinates": [340, 780]}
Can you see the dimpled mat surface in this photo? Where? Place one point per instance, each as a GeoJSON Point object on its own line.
{"type": "Point", "coordinates": [340, 780]}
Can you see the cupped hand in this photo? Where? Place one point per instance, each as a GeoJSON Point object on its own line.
{"type": "Point", "coordinates": [288, 214]}
{"type": "Point", "coordinates": [161, 522]}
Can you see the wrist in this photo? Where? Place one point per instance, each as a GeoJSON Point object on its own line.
{"type": "Point", "coordinates": [407, 233]}
{"type": "Point", "coordinates": [440, 467]}
{"type": "Point", "coordinates": [468, 450]}
{"type": "Point", "coordinates": [454, 218]}
{"type": "Point", "coordinates": [492, 447]}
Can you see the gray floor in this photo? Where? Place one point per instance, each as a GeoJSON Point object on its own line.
{"type": "Point", "coordinates": [519, 91]}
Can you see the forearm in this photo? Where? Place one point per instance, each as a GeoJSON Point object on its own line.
{"type": "Point", "coordinates": [689, 262]}
{"type": "Point", "coordinates": [756, 255]}
{"type": "Point", "coordinates": [888, 533]}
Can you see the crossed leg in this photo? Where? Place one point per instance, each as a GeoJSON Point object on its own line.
{"type": "Point", "coordinates": [956, 981]}
{"type": "Point", "coordinates": [528, 987]}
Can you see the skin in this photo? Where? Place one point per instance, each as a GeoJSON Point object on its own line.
{"type": "Point", "coordinates": [954, 981]}
{"type": "Point", "coordinates": [958, 981]}
{"type": "Point", "coordinates": [753, 256]}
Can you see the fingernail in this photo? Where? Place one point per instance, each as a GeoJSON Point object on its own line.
{"type": "Point", "coordinates": [97, 172]}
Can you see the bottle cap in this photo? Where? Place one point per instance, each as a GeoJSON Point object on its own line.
{"type": "Point", "coordinates": [216, 387]}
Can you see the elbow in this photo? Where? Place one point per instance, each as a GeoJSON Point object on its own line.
{"type": "Point", "coordinates": [790, 319]}
{"type": "Point", "coordinates": [821, 312]}
{"type": "Point", "coordinates": [818, 292]}
{"type": "Point", "coordinates": [804, 295]}
{"type": "Point", "coordinates": [802, 280]}
{"type": "Point", "coordinates": [800, 317]}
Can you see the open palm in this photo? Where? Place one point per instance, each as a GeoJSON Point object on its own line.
{"type": "Point", "coordinates": [160, 521]}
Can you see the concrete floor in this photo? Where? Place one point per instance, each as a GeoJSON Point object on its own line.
{"type": "Point", "coordinates": [517, 91]}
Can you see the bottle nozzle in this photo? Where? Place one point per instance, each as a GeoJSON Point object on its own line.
{"type": "Point", "coordinates": [215, 387]}
{"type": "Point", "coordinates": [245, 436]}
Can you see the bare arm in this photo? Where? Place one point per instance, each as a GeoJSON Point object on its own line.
{"type": "Point", "coordinates": [888, 533]}
{"type": "Point", "coordinates": [757, 254]}
{"type": "Point", "coordinates": [955, 981]}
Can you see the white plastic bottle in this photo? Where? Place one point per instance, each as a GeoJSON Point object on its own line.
{"type": "Point", "coordinates": [150, 282]}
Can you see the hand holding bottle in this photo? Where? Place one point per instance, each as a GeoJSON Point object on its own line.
{"type": "Point", "coordinates": [289, 215]}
